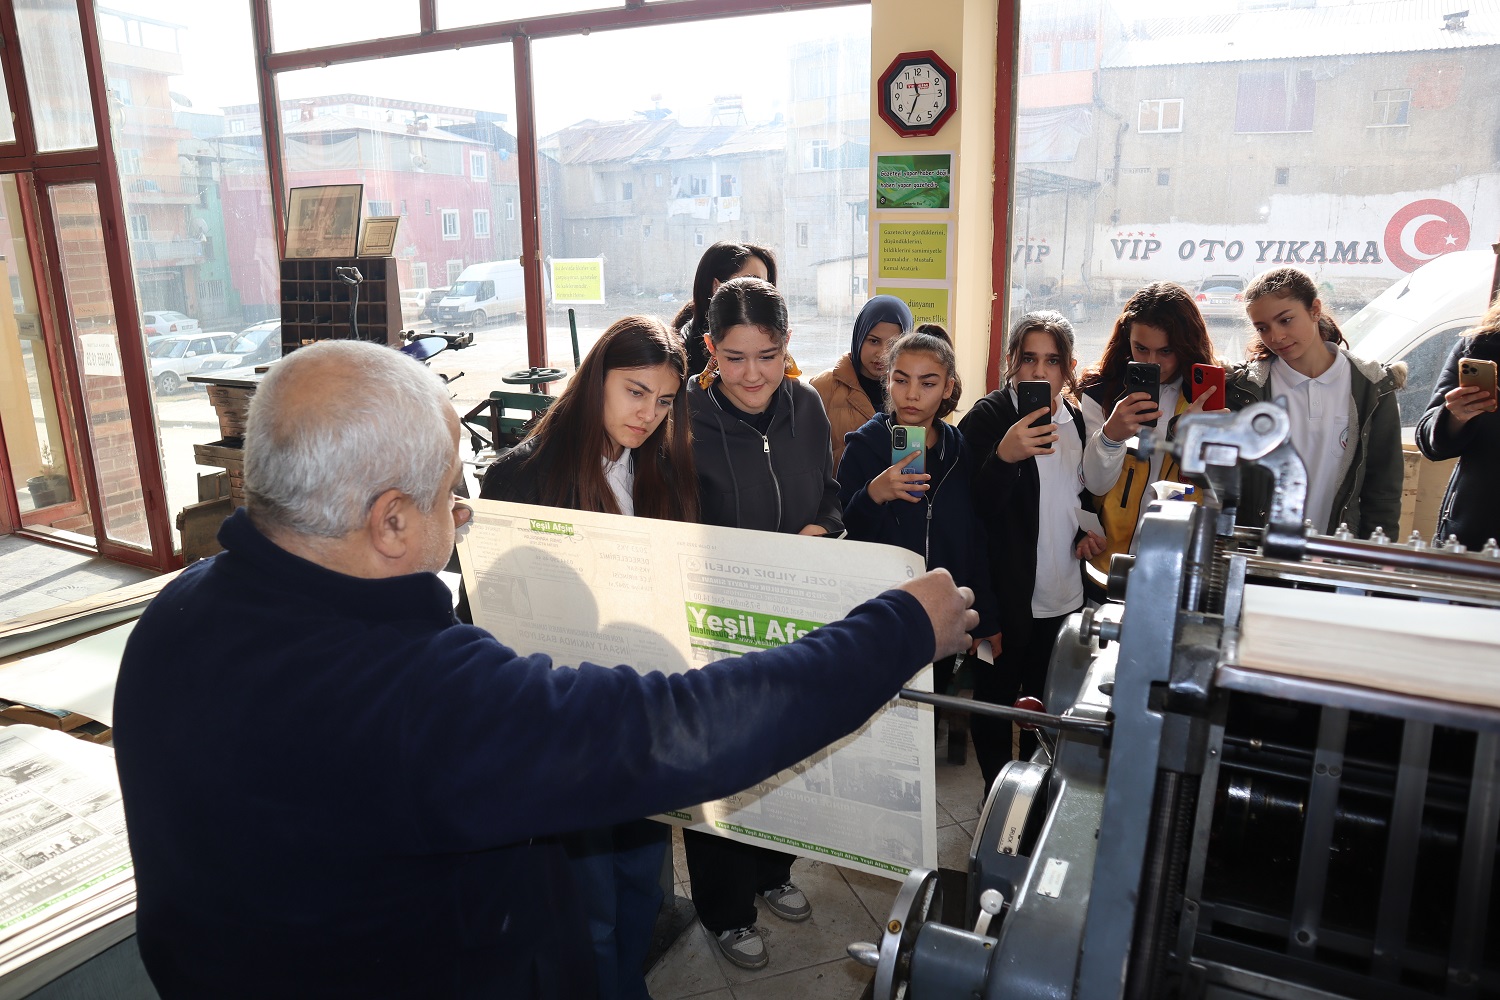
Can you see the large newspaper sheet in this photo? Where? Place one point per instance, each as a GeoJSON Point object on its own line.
{"type": "Point", "coordinates": [659, 595]}
{"type": "Point", "coordinates": [79, 677]}
{"type": "Point", "coordinates": [64, 857]}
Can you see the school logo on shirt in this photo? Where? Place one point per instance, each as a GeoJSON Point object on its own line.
{"type": "Point", "coordinates": [1344, 439]}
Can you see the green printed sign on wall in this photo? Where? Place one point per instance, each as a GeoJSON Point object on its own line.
{"type": "Point", "coordinates": [914, 181]}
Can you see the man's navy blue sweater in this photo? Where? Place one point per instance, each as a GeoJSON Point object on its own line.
{"type": "Point", "coordinates": [334, 790]}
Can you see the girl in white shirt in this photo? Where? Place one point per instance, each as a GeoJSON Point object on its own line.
{"type": "Point", "coordinates": [1345, 422]}
{"type": "Point", "coordinates": [615, 442]}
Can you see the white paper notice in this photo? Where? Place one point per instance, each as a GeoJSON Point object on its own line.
{"type": "Point", "coordinates": [659, 595]}
{"type": "Point", "coordinates": [101, 354]}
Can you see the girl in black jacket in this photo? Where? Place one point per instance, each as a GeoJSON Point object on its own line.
{"type": "Point", "coordinates": [1028, 491]}
{"type": "Point", "coordinates": [1461, 422]}
{"type": "Point", "coordinates": [625, 405]}
{"type": "Point", "coordinates": [763, 452]}
{"type": "Point", "coordinates": [718, 264]}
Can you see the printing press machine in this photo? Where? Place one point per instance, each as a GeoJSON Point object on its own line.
{"type": "Point", "coordinates": [1194, 828]}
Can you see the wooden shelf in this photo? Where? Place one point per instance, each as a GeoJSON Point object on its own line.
{"type": "Point", "coordinates": [315, 301]}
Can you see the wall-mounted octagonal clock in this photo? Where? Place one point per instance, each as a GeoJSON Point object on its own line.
{"type": "Point", "coordinates": [918, 93]}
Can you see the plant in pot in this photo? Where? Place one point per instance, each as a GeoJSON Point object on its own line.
{"type": "Point", "coordinates": [50, 485]}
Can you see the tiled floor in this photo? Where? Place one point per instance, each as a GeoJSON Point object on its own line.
{"type": "Point", "coordinates": [35, 576]}
{"type": "Point", "coordinates": [808, 960]}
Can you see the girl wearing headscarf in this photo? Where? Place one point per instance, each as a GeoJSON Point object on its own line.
{"type": "Point", "coordinates": [853, 389]}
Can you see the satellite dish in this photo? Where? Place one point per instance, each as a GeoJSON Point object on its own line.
{"type": "Point", "coordinates": [179, 99]}
{"type": "Point", "coordinates": [418, 160]}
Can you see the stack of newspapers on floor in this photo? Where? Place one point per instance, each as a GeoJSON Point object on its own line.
{"type": "Point", "coordinates": [65, 869]}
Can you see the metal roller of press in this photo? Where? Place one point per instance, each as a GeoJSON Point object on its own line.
{"type": "Point", "coordinates": [1200, 829]}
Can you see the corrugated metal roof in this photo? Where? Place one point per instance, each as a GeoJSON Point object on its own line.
{"type": "Point", "coordinates": [322, 124]}
{"type": "Point", "coordinates": [1352, 29]}
{"type": "Point", "coordinates": [659, 141]}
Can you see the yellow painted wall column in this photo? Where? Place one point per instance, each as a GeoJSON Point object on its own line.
{"type": "Point", "coordinates": [962, 33]}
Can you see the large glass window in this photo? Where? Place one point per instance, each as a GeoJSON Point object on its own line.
{"type": "Point", "coordinates": [766, 141]}
{"type": "Point", "coordinates": [296, 24]}
{"type": "Point", "coordinates": [186, 126]}
{"type": "Point", "coordinates": [95, 330]}
{"type": "Point", "coordinates": [36, 431]}
{"type": "Point", "coordinates": [52, 52]}
{"type": "Point", "coordinates": [1197, 144]}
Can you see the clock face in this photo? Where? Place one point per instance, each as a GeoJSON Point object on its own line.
{"type": "Point", "coordinates": [917, 93]}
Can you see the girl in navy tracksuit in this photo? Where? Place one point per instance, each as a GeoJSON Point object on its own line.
{"type": "Point", "coordinates": [930, 513]}
{"type": "Point", "coordinates": [1028, 488]}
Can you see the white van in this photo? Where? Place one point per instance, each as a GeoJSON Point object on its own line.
{"type": "Point", "coordinates": [1418, 320]}
{"type": "Point", "coordinates": [484, 292]}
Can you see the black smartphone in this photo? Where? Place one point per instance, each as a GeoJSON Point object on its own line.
{"type": "Point", "coordinates": [1032, 396]}
{"type": "Point", "coordinates": [1143, 376]}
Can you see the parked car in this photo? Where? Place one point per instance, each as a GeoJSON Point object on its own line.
{"type": "Point", "coordinates": [162, 322]}
{"type": "Point", "coordinates": [175, 357]}
{"type": "Point", "coordinates": [430, 310]}
{"type": "Point", "coordinates": [1221, 296]}
{"type": "Point", "coordinates": [257, 344]}
{"type": "Point", "coordinates": [413, 303]}
{"type": "Point", "coordinates": [1418, 320]}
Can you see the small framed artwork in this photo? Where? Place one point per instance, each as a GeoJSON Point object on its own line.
{"type": "Point", "coordinates": [378, 237]}
{"type": "Point", "coordinates": [322, 221]}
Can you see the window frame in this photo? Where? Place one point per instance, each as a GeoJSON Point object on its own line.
{"type": "Point", "coordinates": [1161, 103]}
{"type": "Point", "coordinates": [447, 215]}
{"type": "Point", "coordinates": [1384, 106]}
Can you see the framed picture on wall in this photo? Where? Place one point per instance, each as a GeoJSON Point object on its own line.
{"type": "Point", "coordinates": [379, 236]}
{"type": "Point", "coordinates": [323, 221]}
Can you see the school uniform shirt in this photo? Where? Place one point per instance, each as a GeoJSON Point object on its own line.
{"type": "Point", "coordinates": [620, 474]}
{"type": "Point", "coordinates": [1318, 409]}
{"type": "Point", "coordinates": [1059, 587]}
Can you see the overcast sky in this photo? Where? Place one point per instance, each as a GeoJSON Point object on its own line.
{"type": "Point", "coordinates": [605, 75]}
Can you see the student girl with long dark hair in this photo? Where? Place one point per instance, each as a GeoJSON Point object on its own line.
{"type": "Point", "coordinates": [1345, 423]}
{"type": "Point", "coordinates": [761, 445]}
{"type": "Point", "coordinates": [1028, 490]}
{"type": "Point", "coordinates": [718, 264]}
{"type": "Point", "coordinates": [853, 390]}
{"type": "Point", "coordinates": [1159, 324]}
{"type": "Point", "coordinates": [931, 513]}
{"type": "Point", "coordinates": [1461, 422]}
{"type": "Point", "coordinates": [616, 442]}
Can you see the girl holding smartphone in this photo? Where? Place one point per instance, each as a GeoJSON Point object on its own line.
{"type": "Point", "coordinates": [1159, 325]}
{"type": "Point", "coordinates": [1028, 489]}
{"type": "Point", "coordinates": [626, 405]}
{"type": "Point", "coordinates": [718, 264]}
{"type": "Point", "coordinates": [761, 446]}
{"type": "Point", "coordinates": [1461, 422]}
{"type": "Point", "coordinates": [931, 513]}
{"type": "Point", "coordinates": [1344, 418]}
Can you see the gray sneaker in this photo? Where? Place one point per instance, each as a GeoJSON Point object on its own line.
{"type": "Point", "coordinates": [744, 947]}
{"type": "Point", "coordinates": [787, 902]}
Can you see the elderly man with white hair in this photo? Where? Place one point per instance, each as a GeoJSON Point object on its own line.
{"type": "Point", "coordinates": [333, 789]}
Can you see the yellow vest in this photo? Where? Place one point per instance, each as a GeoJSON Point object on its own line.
{"type": "Point", "coordinates": [1119, 509]}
